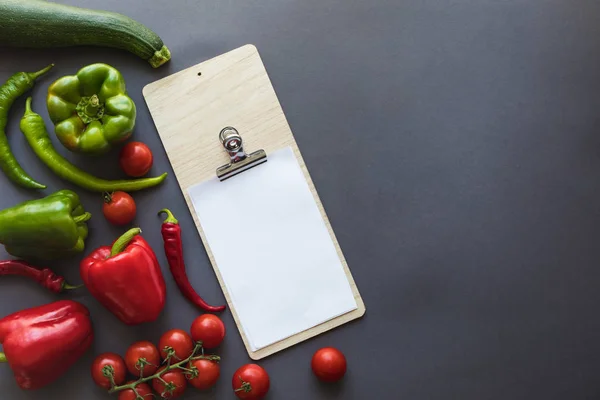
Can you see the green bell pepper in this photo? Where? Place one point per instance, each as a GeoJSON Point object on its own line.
{"type": "Point", "coordinates": [45, 229]}
{"type": "Point", "coordinates": [91, 110]}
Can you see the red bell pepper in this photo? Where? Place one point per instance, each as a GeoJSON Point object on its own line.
{"type": "Point", "coordinates": [126, 279]}
{"type": "Point", "coordinates": [41, 343]}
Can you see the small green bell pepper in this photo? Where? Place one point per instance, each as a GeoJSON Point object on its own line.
{"type": "Point", "coordinates": [91, 110]}
{"type": "Point", "coordinates": [45, 229]}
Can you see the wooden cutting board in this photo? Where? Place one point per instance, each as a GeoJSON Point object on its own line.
{"type": "Point", "coordinates": [190, 108]}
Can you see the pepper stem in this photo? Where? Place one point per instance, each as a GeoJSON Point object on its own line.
{"type": "Point", "coordinates": [124, 240]}
{"type": "Point", "coordinates": [66, 286]}
{"type": "Point", "coordinates": [28, 109]}
{"type": "Point", "coordinates": [3, 358]}
{"type": "Point", "coordinates": [93, 105]}
{"type": "Point", "coordinates": [170, 217]}
{"type": "Point", "coordinates": [82, 218]}
{"type": "Point", "coordinates": [35, 75]}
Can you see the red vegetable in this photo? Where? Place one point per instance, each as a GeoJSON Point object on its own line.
{"type": "Point", "coordinates": [177, 342]}
{"type": "Point", "coordinates": [119, 208]}
{"type": "Point", "coordinates": [251, 382]}
{"type": "Point", "coordinates": [142, 358]}
{"type": "Point", "coordinates": [142, 390]}
{"type": "Point", "coordinates": [44, 277]}
{"type": "Point", "coordinates": [171, 233]}
{"type": "Point", "coordinates": [208, 374]}
{"type": "Point", "coordinates": [208, 329]}
{"type": "Point", "coordinates": [41, 343]}
{"type": "Point", "coordinates": [113, 362]}
{"type": "Point", "coordinates": [329, 364]}
{"type": "Point", "coordinates": [135, 159]}
{"type": "Point", "coordinates": [126, 279]}
{"type": "Point", "coordinates": [175, 384]}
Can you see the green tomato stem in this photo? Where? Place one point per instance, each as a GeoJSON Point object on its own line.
{"type": "Point", "coordinates": [3, 358]}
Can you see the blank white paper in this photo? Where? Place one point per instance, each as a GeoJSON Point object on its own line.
{"type": "Point", "coordinates": [273, 250]}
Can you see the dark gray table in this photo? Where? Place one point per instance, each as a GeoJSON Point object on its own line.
{"type": "Point", "coordinates": [456, 148]}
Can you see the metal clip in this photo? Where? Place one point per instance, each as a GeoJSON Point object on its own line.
{"type": "Point", "coordinates": [240, 160]}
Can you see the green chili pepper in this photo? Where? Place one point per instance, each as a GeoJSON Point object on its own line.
{"type": "Point", "coordinates": [45, 229]}
{"type": "Point", "coordinates": [34, 129]}
{"type": "Point", "coordinates": [91, 110]}
{"type": "Point", "coordinates": [15, 87]}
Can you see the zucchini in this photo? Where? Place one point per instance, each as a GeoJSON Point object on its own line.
{"type": "Point", "coordinates": [42, 24]}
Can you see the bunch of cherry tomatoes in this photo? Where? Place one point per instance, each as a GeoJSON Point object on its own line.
{"type": "Point", "coordinates": [147, 363]}
{"type": "Point", "coordinates": [181, 354]}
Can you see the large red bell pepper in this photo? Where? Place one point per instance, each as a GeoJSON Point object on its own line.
{"type": "Point", "coordinates": [126, 279]}
{"type": "Point", "coordinates": [41, 343]}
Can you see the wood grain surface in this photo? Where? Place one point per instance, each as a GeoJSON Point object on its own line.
{"type": "Point", "coordinates": [189, 109]}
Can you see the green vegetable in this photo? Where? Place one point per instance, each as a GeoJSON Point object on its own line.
{"type": "Point", "coordinates": [36, 23]}
{"type": "Point", "coordinates": [91, 110]}
{"type": "Point", "coordinates": [34, 129]}
{"type": "Point", "coordinates": [15, 87]}
{"type": "Point", "coordinates": [45, 229]}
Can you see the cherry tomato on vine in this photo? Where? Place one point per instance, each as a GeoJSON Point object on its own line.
{"type": "Point", "coordinates": [142, 390]}
{"type": "Point", "coordinates": [119, 208]}
{"type": "Point", "coordinates": [175, 387]}
{"type": "Point", "coordinates": [142, 357]}
{"type": "Point", "coordinates": [109, 361]}
{"type": "Point", "coordinates": [180, 341]}
{"type": "Point", "coordinates": [209, 329]}
{"type": "Point", "coordinates": [329, 364]}
{"type": "Point", "coordinates": [135, 159]}
{"type": "Point", "coordinates": [251, 382]}
{"type": "Point", "coordinates": [208, 374]}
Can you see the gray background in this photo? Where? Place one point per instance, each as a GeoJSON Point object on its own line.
{"type": "Point", "coordinates": [456, 148]}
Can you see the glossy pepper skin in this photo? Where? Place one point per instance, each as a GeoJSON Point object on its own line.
{"type": "Point", "coordinates": [45, 229]}
{"type": "Point", "coordinates": [91, 110]}
{"type": "Point", "coordinates": [40, 344]}
{"type": "Point", "coordinates": [126, 279]}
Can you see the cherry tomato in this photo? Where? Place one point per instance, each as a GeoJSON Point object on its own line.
{"type": "Point", "coordinates": [176, 384]}
{"type": "Point", "coordinates": [208, 374]}
{"type": "Point", "coordinates": [251, 382]}
{"type": "Point", "coordinates": [119, 208]}
{"type": "Point", "coordinates": [142, 390]}
{"type": "Point", "coordinates": [142, 357]}
{"type": "Point", "coordinates": [109, 361]}
{"type": "Point", "coordinates": [180, 341]}
{"type": "Point", "coordinates": [135, 159]}
{"type": "Point", "coordinates": [208, 329]}
{"type": "Point", "coordinates": [329, 364]}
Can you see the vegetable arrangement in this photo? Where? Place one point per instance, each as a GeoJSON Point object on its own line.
{"type": "Point", "coordinates": [183, 362]}
{"type": "Point", "coordinates": [93, 114]}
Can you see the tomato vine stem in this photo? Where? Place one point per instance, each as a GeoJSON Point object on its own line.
{"type": "Point", "coordinates": [169, 367]}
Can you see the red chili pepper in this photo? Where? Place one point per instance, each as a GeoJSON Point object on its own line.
{"type": "Point", "coordinates": [171, 233]}
{"type": "Point", "coordinates": [40, 344]}
{"type": "Point", "coordinates": [45, 277]}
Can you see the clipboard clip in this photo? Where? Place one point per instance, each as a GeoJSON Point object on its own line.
{"type": "Point", "coordinates": [240, 161]}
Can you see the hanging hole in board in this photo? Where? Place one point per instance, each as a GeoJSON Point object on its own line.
{"type": "Point", "coordinates": [199, 73]}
